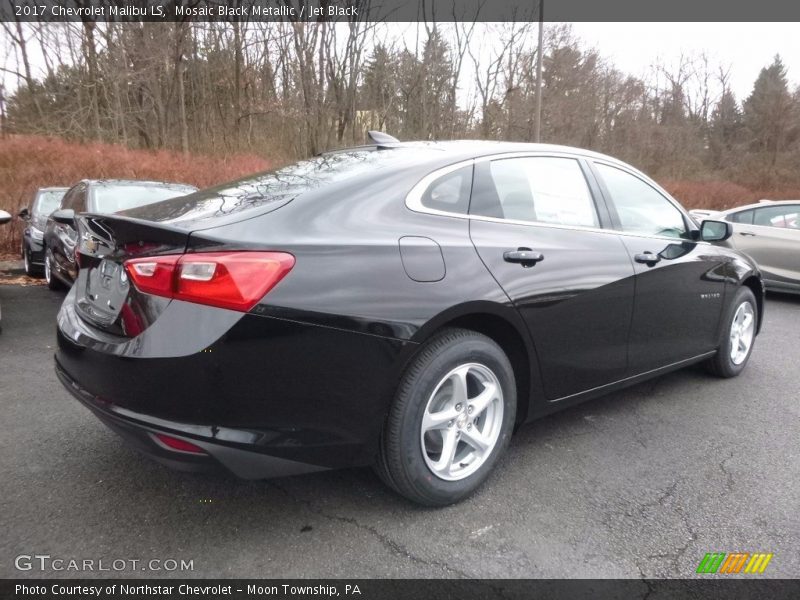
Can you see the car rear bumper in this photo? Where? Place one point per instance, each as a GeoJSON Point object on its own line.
{"type": "Point", "coordinates": [140, 430]}
{"type": "Point", "coordinates": [268, 397]}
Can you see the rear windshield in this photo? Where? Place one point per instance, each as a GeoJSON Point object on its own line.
{"type": "Point", "coordinates": [48, 201]}
{"type": "Point", "coordinates": [111, 198]}
{"type": "Point", "coordinates": [275, 187]}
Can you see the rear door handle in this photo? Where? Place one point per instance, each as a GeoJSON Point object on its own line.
{"type": "Point", "coordinates": [524, 256]}
{"type": "Point", "coordinates": [747, 233]}
{"type": "Point", "coordinates": [647, 258]}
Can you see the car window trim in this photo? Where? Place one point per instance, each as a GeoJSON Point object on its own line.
{"type": "Point", "coordinates": [413, 200]}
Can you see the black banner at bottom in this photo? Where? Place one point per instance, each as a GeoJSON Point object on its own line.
{"type": "Point", "coordinates": [405, 589]}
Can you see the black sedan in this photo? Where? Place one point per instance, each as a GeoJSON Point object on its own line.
{"type": "Point", "coordinates": [95, 196]}
{"type": "Point", "coordinates": [404, 305]}
{"type": "Point", "coordinates": [45, 201]}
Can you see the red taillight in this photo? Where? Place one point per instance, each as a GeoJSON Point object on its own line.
{"type": "Point", "coordinates": [234, 280]}
{"type": "Point", "coordinates": [178, 444]}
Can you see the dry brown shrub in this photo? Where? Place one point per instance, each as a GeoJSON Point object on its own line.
{"type": "Point", "coordinates": [30, 162]}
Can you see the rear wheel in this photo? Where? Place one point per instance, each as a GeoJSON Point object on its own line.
{"type": "Point", "coordinates": [52, 281]}
{"type": "Point", "coordinates": [451, 419]}
{"type": "Point", "coordinates": [739, 333]}
{"type": "Point", "coordinates": [30, 269]}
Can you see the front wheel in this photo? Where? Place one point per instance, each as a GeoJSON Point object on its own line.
{"type": "Point", "coordinates": [739, 334]}
{"type": "Point", "coordinates": [30, 269]}
{"type": "Point", "coordinates": [451, 419]}
{"type": "Point", "coordinates": [52, 281]}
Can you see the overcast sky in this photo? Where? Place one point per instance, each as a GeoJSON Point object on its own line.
{"type": "Point", "coordinates": [632, 47]}
{"type": "Point", "coordinates": [745, 47]}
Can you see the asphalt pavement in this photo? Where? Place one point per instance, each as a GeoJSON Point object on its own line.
{"type": "Point", "coordinates": [641, 483]}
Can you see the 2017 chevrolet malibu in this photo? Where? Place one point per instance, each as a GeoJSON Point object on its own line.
{"type": "Point", "coordinates": [404, 305]}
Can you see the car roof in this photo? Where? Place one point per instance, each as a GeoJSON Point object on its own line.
{"type": "Point", "coordinates": [471, 148]}
{"type": "Point", "coordinates": [759, 204]}
{"type": "Point", "coordinates": [132, 182]}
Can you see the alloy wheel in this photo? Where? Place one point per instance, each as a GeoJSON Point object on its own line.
{"type": "Point", "coordinates": [462, 422]}
{"type": "Point", "coordinates": [742, 332]}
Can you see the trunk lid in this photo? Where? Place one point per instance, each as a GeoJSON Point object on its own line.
{"type": "Point", "coordinates": [104, 295]}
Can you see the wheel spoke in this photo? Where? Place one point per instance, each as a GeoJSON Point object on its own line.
{"type": "Point", "coordinates": [438, 420]}
{"type": "Point", "coordinates": [449, 445]}
{"type": "Point", "coordinates": [459, 379]}
{"type": "Point", "coordinates": [482, 400]}
{"type": "Point", "coordinates": [474, 438]}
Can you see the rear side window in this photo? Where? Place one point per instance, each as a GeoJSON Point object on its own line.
{"type": "Point", "coordinates": [640, 207]}
{"type": "Point", "coordinates": [786, 217]}
{"type": "Point", "coordinates": [745, 216]}
{"type": "Point", "coordinates": [450, 192]}
{"type": "Point", "coordinates": [541, 189]}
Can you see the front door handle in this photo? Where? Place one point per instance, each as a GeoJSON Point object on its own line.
{"type": "Point", "coordinates": [747, 233]}
{"type": "Point", "coordinates": [647, 258]}
{"type": "Point", "coordinates": [524, 256]}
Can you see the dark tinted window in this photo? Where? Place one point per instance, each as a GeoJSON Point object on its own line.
{"type": "Point", "coordinates": [785, 216]}
{"type": "Point", "coordinates": [640, 207]}
{"type": "Point", "coordinates": [450, 192]}
{"type": "Point", "coordinates": [745, 216]}
{"type": "Point", "coordinates": [75, 198]}
{"type": "Point", "coordinates": [541, 189]}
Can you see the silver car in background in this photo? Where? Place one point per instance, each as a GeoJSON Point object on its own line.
{"type": "Point", "coordinates": [768, 231]}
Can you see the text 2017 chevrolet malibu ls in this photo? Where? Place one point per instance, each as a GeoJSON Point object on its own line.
{"type": "Point", "coordinates": [404, 305]}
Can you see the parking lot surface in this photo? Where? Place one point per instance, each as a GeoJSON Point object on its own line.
{"type": "Point", "coordinates": [641, 483]}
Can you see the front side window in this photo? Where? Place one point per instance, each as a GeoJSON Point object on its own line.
{"type": "Point", "coordinates": [542, 189]}
{"type": "Point", "coordinates": [640, 207]}
{"type": "Point", "coordinates": [784, 216]}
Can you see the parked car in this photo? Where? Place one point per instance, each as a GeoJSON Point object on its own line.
{"type": "Point", "coordinates": [4, 218]}
{"type": "Point", "coordinates": [95, 196]}
{"type": "Point", "coordinates": [405, 305]}
{"type": "Point", "coordinates": [769, 232]}
{"type": "Point", "coordinates": [45, 201]}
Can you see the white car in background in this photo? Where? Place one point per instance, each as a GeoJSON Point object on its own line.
{"type": "Point", "coordinates": [768, 231]}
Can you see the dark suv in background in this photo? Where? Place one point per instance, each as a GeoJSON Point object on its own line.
{"type": "Point", "coordinates": [45, 201]}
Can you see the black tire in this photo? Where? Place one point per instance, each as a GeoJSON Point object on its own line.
{"type": "Point", "coordinates": [401, 463]}
{"type": "Point", "coordinates": [30, 269]}
{"type": "Point", "coordinates": [52, 281]}
{"type": "Point", "coordinates": [722, 364]}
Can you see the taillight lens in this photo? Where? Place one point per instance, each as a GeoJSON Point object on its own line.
{"type": "Point", "coordinates": [234, 280]}
{"type": "Point", "coordinates": [178, 444]}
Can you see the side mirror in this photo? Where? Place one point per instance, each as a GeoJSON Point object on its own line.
{"type": "Point", "coordinates": [715, 231]}
{"type": "Point", "coordinates": [65, 216]}
{"type": "Point", "coordinates": [4, 217]}
{"type": "Point", "coordinates": [24, 214]}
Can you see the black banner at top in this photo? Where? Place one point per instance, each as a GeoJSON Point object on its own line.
{"type": "Point", "coordinates": [398, 10]}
